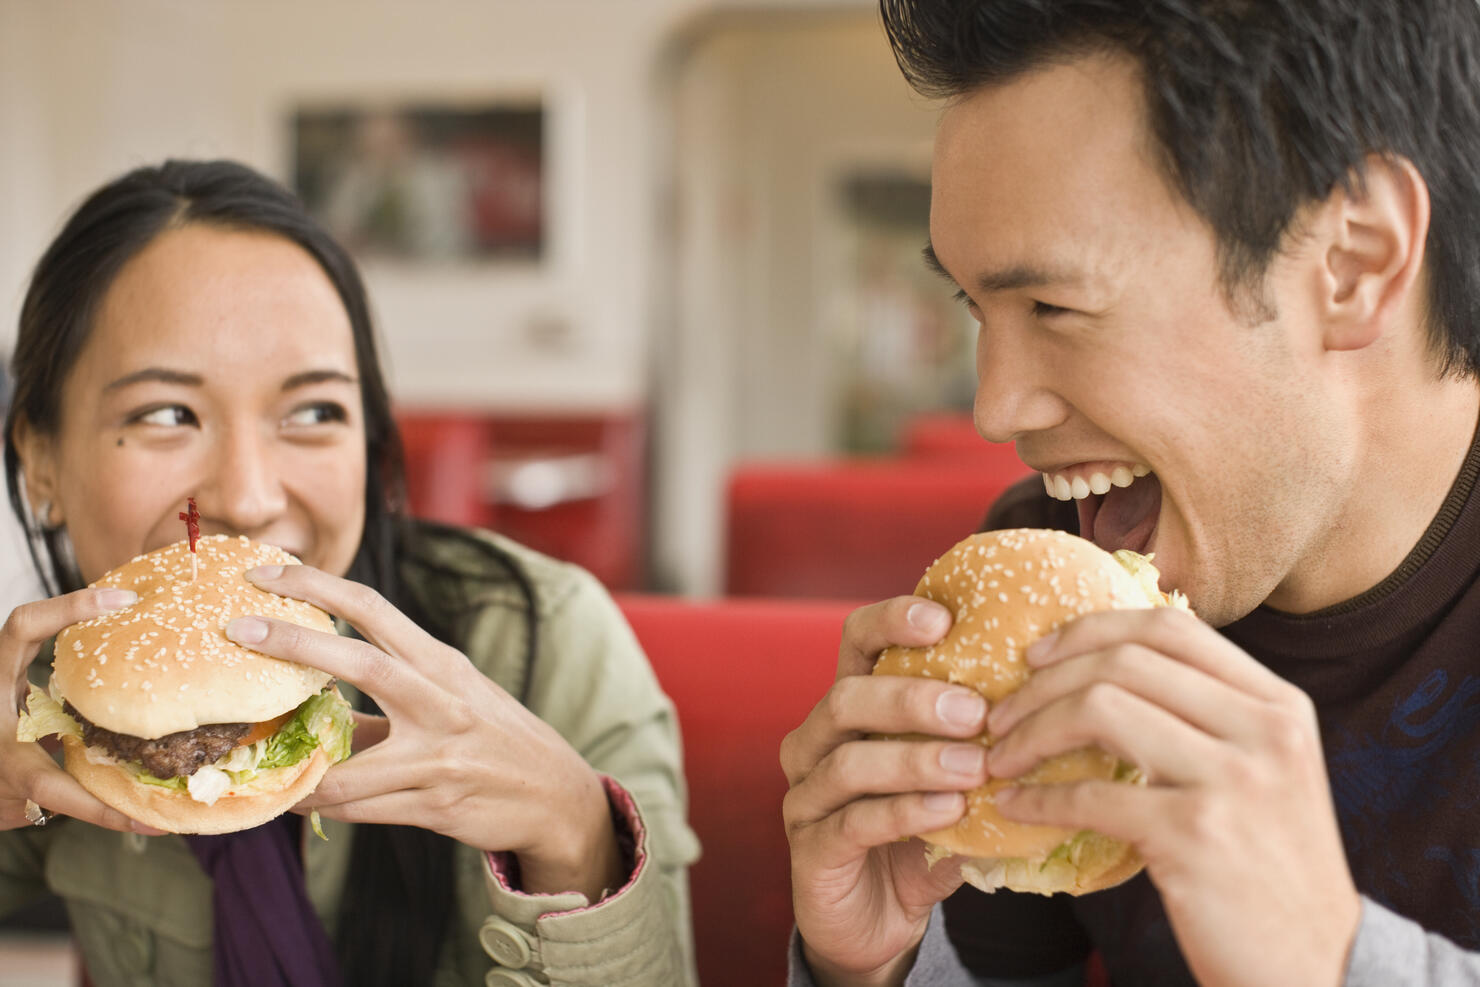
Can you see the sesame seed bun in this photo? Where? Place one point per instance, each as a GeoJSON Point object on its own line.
{"type": "Point", "coordinates": [165, 664]}
{"type": "Point", "coordinates": [1006, 589]}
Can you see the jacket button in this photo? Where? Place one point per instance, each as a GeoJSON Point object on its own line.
{"type": "Point", "coordinates": [505, 942]}
{"type": "Point", "coordinates": [509, 978]}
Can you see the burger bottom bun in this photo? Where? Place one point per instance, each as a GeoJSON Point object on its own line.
{"type": "Point", "coordinates": [984, 832]}
{"type": "Point", "coordinates": [1103, 863]}
{"type": "Point", "coordinates": [1017, 855]}
{"type": "Point", "coordinates": [177, 812]}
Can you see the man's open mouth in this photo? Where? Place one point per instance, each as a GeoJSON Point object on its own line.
{"type": "Point", "coordinates": [1118, 504]}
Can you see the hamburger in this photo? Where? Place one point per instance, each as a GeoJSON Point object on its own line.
{"type": "Point", "coordinates": [1005, 590]}
{"type": "Point", "coordinates": [166, 720]}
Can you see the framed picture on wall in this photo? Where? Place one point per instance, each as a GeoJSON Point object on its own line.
{"type": "Point", "coordinates": [425, 182]}
{"type": "Point", "coordinates": [904, 346]}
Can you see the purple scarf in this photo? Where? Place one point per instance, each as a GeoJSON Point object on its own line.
{"type": "Point", "coordinates": [267, 931]}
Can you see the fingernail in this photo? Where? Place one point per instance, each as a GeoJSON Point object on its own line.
{"type": "Point", "coordinates": [962, 759]}
{"type": "Point", "coordinates": [941, 801]}
{"type": "Point", "coordinates": [264, 573]}
{"type": "Point", "coordinates": [114, 598]}
{"type": "Point", "coordinates": [247, 630]}
{"type": "Point", "coordinates": [960, 709]}
{"type": "Point", "coordinates": [1040, 650]}
{"type": "Point", "coordinates": [929, 618]}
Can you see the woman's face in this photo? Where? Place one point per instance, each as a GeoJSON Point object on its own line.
{"type": "Point", "coordinates": [221, 366]}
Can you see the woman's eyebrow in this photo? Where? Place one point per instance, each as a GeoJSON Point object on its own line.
{"type": "Point", "coordinates": [159, 374]}
{"type": "Point", "coordinates": [309, 377]}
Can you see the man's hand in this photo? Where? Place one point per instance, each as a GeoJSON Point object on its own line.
{"type": "Point", "coordinates": [1236, 825]}
{"type": "Point", "coordinates": [862, 897]}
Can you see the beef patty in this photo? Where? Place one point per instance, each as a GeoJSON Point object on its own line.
{"type": "Point", "coordinates": [175, 755]}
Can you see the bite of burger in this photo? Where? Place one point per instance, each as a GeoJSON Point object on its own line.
{"type": "Point", "coordinates": [163, 718]}
{"type": "Point", "coordinates": [1005, 590]}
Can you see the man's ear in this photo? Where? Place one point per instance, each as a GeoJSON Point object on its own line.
{"type": "Point", "coordinates": [37, 453]}
{"type": "Point", "coordinates": [1377, 233]}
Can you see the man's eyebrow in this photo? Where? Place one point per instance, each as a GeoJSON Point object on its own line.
{"type": "Point", "coordinates": [1009, 278]}
{"type": "Point", "coordinates": [159, 374]}
{"type": "Point", "coordinates": [1025, 276]}
{"type": "Point", "coordinates": [309, 377]}
{"type": "Point", "coordinates": [932, 261]}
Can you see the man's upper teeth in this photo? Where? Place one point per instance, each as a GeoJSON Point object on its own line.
{"type": "Point", "coordinates": [1063, 487]}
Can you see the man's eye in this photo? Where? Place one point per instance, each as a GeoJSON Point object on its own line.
{"type": "Point", "coordinates": [167, 416]}
{"type": "Point", "coordinates": [1044, 310]}
{"type": "Point", "coordinates": [317, 414]}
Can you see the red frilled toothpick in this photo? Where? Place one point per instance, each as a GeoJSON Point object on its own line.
{"type": "Point", "coordinates": [191, 517]}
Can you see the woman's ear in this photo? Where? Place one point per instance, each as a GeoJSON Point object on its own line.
{"type": "Point", "coordinates": [1377, 231]}
{"type": "Point", "coordinates": [38, 458]}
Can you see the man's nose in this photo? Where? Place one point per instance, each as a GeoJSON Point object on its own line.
{"type": "Point", "coordinates": [244, 489]}
{"type": "Point", "coordinates": [1015, 392]}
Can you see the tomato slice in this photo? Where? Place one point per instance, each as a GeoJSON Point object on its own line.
{"type": "Point", "coordinates": [266, 728]}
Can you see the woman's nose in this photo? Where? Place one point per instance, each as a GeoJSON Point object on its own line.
{"type": "Point", "coordinates": [245, 489]}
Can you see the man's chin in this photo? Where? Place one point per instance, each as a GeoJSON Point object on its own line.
{"type": "Point", "coordinates": [1209, 600]}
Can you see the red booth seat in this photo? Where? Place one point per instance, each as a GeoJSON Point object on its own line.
{"type": "Point", "coordinates": [848, 529]}
{"type": "Point", "coordinates": [742, 673]}
{"type": "Point", "coordinates": [573, 486]}
{"type": "Point", "coordinates": [952, 436]}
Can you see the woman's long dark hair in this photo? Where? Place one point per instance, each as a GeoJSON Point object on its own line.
{"type": "Point", "coordinates": [399, 894]}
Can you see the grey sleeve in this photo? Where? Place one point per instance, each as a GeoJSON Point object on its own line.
{"type": "Point", "coordinates": [1392, 951]}
{"type": "Point", "coordinates": [936, 965]}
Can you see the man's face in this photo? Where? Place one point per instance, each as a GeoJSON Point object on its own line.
{"type": "Point", "coordinates": [1108, 348]}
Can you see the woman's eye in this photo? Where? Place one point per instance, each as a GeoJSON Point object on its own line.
{"type": "Point", "coordinates": [317, 414]}
{"type": "Point", "coordinates": [167, 416]}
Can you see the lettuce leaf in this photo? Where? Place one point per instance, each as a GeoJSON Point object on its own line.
{"type": "Point", "coordinates": [1146, 574]}
{"type": "Point", "coordinates": [289, 745]}
{"type": "Point", "coordinates": [333, 721]}
{"type": "Point", "coordinates": [43, 716]}
{"type": "Point", "coordinates": [325, 716]}
{"type": "Point", "coordinates": [179, 783]}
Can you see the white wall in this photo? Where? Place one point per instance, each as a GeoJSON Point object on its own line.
{"type": "Point", "coordinates": [691, 144]}
{"type": "Point", "coordinates": [89, 88]}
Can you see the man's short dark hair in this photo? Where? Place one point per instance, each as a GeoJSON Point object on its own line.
{"type": "Point", "coordinates": [1260, 107]}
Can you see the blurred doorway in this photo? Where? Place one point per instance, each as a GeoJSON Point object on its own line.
{"type": "Point", "coordinates": [794, 318]}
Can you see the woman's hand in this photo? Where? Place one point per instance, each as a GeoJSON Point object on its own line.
{"type": "Point", "coordinates": [454, 753]}
{"type": "Point", "coordinates": [862, 897]}
{"type": "Point", "coordinates": [27, 771]}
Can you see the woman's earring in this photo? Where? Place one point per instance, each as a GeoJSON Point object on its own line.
{"type": "Point", "coordinates": [42, 519]}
